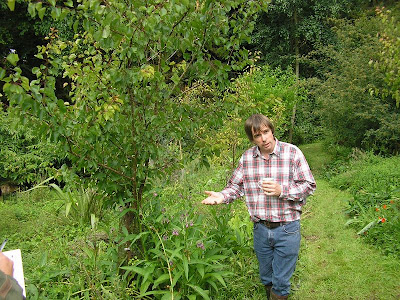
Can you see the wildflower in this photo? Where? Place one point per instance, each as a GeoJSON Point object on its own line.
{"type": "Point", "coordinates": [155, 194]}
{"type": "Point", "coordinates": [384, 206]}
{"type": "Point", "coordinates": [171, 262]}
{"type": "Point", "coordinates": [391, 201]}
{"type": "Point", "coordinates": [163, 210]}
{"type": "Point", "coordinates": [191, 224]}
{"type": "Point", "coordinates": [383, 220]}
{"type": "Point", "coordinates": [376, 209]}
{"type": "Point", "coordinates": [165, 237]}
{"type": "Point", "coordinates": [175, 232]}
{"type": "Point", "coordinates": [200, 245]}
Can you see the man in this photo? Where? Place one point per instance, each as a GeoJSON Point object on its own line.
{"type": "Point", "coordinates": [274, 204]}
{"type": "Point", "coordinates": [9, 288]}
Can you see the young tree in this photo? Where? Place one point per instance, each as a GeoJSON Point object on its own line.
{"type": "Point", "coordinates": [389, 60]}
{"type": "Point", "coordinates": [126, 72]}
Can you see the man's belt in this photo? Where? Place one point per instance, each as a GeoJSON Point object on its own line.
{"type": "Point", "coordinates": [272, 225]}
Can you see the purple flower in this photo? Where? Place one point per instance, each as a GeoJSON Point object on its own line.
{"type": "Point", "coordinates": [163, 210]}
{"type": "Point", "coordinates": [201, 245]}
{"type": "Point", "coordinates": [171, 263]}
{"type": "Point", "coordinates": [175, 232]}
{"type": "Point", "coordinates": [155, 194]}
{"type": "Point", "coordinates": [165, 237]}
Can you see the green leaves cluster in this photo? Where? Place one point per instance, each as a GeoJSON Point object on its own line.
{"type": "Point", "coordinates": [124, 119]}
{"type": "Point", "coordinates": [265, 90]}
{"type": "Point", "coordinates": [291, 30]}
{"type": "Point", "coordinates": [25, 159]}
{"type": "Point", "coordinates": [389, 58]}
{"type": "Point", "coordinates": [351, 113]}
{"type": "Point", "coordinates": [184, 260]}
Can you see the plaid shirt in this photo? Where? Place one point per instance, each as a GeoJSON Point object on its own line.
{"type": "Point", "coordinates": [288, 166]}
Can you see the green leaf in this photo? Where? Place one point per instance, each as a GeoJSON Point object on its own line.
{"type": "Point", "coordinates": [43, 260]}
{"type": "Point", "coordinates": [25, 83]}
{"type": "Point", "coordinates": [11, 4]}
{"type": "Point", "coordinates": [41, 12]}
{"type": "Point", "coordinates": [93, 220]}
{"type": "Point", "coordinates": [200, 269]}
{"type": "Point", "coordinates": [52, 2]}
{"type": "Point", "coordinates": [32, 9]}
{"type": "Point", "coordinates": [162, 278]}
{"type": "Point", "coordinates": [69, 3]}
{"type": "Point", "coordinates": [106, 32]}
{"type": "Point", "coordinates": [135, 270]}
{"type": "Point", "coordinates": [218, 277]}
{"type": "Point", "coordinates": [67, 208]}
{"type": "Point", "coordinates": [13, 58]}
{"type": "Point", "coordinates": [186, 267]}
{"type": "Point", "coordinates": [366, 228]}
{"type": "Point", "coordinates": [61, 106]}
{"type": "Point", "coordinates": [2, 73]}
{"type": "Point", "coordinates": [199, 290]}
{"type": "Point", "coordinates": [176, 278]}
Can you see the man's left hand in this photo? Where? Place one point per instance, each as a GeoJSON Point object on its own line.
{"type": "Point", "coordinates": [271, 188]}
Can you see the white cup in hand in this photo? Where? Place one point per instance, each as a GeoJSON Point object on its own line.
{"type": "Point", "coordinates": [265, 179]}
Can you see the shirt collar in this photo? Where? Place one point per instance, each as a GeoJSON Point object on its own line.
{"type": "Point", "coordinates": [277, 149]}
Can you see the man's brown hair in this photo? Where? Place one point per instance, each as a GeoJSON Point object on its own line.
{"type": "Point", "coordinates": [254, 123]}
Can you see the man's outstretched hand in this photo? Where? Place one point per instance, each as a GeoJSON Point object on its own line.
{"type": "Point", "coordinates": [213, 198]}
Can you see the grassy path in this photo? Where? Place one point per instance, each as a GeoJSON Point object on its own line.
{"type": "Point", "coordinates": [334, 263]}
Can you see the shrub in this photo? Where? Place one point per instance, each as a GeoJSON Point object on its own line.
{"type": "Point", "coordinates": [24, 158]}
{"type": "Point", "coordinates": [351, 113]}
{"type": "Point", "coordinates": [374, 210]}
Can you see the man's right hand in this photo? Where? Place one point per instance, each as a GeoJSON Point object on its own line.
{"type": "Point", "coordinates": [213, 198]}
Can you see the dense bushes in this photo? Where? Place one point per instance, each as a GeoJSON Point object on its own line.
{"type": "Point", "coordinates": [266, 90]}
{"type": "Point", "coordinates": [352, 114]}
{"type": "Point", "coordinates": [374, 210]}
{"type": "Point", "coordinates": [24, 158]}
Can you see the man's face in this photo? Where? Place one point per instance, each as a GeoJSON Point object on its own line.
{"type": "Point", "coordinates": [264, 139]}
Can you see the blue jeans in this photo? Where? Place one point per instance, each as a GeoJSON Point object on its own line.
{"type": "Point", "coordinates": [277, 251]}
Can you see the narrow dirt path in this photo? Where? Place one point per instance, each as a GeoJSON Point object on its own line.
{"type": "Point", "coordinates": [334, 262]}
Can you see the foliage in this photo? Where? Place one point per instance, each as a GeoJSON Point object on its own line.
{"type": "Point", "coordinates": [389, 58]}
{"type": "Point", "coordinates": [350, 114]}
{"type": "Point", "coordinates": [295, 28]}
{"type": "Point", "coordinates": [25, 159]}
{"type": "Point", "coordinates": [62, 260]}
{"type": "Point", "coordinates": [126, 73]}
{"type": "Point", "coordinates": [190, 250]}
{"type": "Point", "coordinates": [182, 261]}
{"type": "Point", "coordinates": [272, 92]}
{"type": "Point", "coordinates": [333, 264]}
{"type": "Point", "coordinates": [85, 206]}
{"type": "Point", "coordinates": [83, 263]}
{"type": "Point", "coordinates": [375, 208]}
